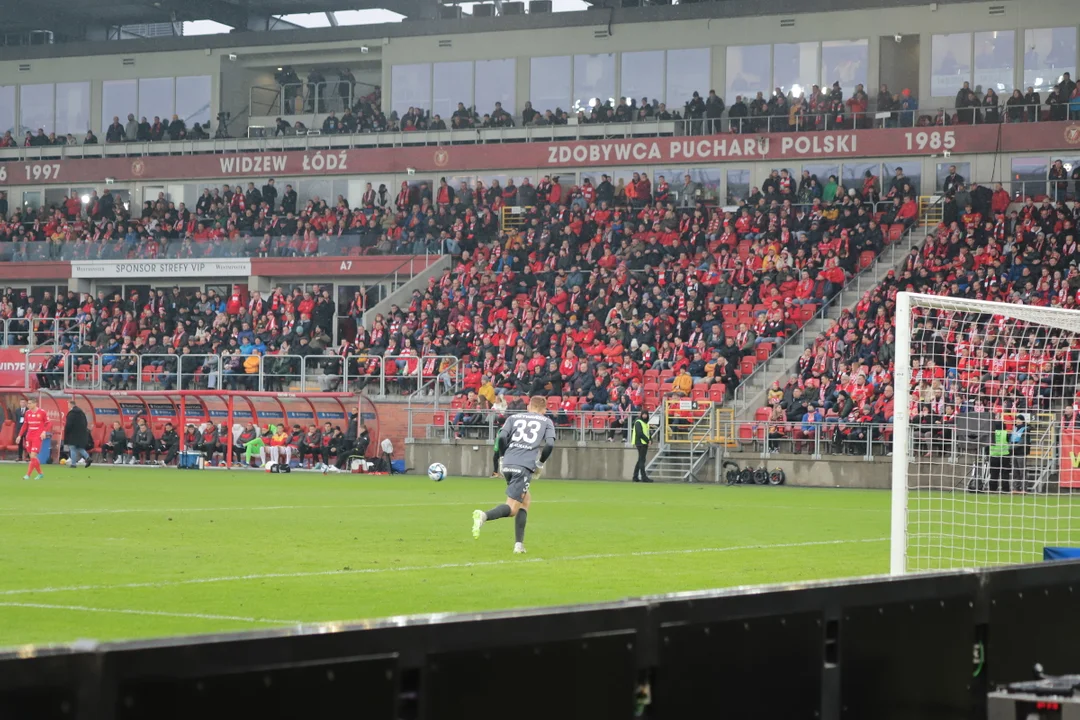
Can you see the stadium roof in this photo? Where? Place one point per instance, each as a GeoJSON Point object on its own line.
{"type": "Point", "coordinates": [61, 15]}
{"type": "Point", "coordinates": [78, 24]}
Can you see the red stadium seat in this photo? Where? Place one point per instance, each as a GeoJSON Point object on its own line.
{"type": "Point", "coordinates": [763, 351]}
{"type": "Point", "coordinates": [7, 437]}
{"type": "Point", "coordinates": [747, 366]}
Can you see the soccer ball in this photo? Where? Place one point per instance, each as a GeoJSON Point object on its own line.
{"type": "Point", "coordinates": [63, 461]}
{"type": "Point", "coordinates": [269, 466]}
{"type": "Point", "coordinates": [436, 471]}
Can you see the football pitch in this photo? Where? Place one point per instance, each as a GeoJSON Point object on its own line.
{"type": "Point", "coordinates": [111, 553]}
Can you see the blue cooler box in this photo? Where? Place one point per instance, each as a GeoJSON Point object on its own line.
{"type": "Point", "coordinates": [189, 460]}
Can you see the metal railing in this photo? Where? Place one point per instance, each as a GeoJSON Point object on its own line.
{"type": "Point", "coordinates": [651, 127]}
{"type": "Point", "coordinates": [35, 332]}
{"type": "Point", "coordinates": [424, 376]}
{"type": "Point", "coordinates": [818, 439]}
{"type": "Point", "coordinates": [482, 424]}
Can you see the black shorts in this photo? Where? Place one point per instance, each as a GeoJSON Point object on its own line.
{"type": "Point", "coordinates": [517, 482]}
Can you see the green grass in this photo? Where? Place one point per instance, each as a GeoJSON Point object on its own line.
{"type": "Point", "coordinates": [111, 553]}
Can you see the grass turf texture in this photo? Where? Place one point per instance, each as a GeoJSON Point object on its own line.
{"type": "Point", "coordinates": [111, 553]}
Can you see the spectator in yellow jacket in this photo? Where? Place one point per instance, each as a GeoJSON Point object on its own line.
{"type": "Point", "coordinates": [683, 384]}
{"type": "Point", "coordinates": [251, 369]}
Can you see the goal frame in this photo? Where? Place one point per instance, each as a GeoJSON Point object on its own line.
{"type": "Point", "coordinates": [905, 302]}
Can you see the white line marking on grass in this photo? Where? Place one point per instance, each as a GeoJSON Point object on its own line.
{"type": "Point", "coordinates": [119, 511]}
{"type": "Point", "coordinates": [420, 568]}
{"type": "Point", "coordinates": [156, 613]}
{"type": "Point", "coordinates": [11, 512]}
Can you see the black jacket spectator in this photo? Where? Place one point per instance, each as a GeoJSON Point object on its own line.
{"type": "Point", "coordinates": [115, 132]}
{"type": "Point", "coordinates": [269, 193]}
{"type": "Point", "coordinates": [76, 432]}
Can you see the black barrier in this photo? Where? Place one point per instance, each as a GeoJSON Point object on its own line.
{"type": "Point", "coordinates": [926, 646]}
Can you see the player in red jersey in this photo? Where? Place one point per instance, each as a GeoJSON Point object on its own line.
{"type": "Point", "coordinates": [34, 426]}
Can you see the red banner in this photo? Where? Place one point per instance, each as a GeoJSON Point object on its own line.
{"type": "Point", "coordinates": [545, 157]}
{"type": "Point", "coordinates": [371, 267]}
{"type": "Point", "coordinates": [13, 367]}
{"type": "Point", "coordinates": [1069, 467]}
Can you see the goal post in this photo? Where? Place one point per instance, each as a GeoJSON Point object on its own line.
{"type": "Point", "coordinates": [982, 421]}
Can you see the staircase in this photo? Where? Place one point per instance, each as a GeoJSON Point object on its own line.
{"type": "Point", "coordinates": [678, 464]}
{"type": "Point", "coordinates": [931, 211]}
{"type": "Point", "coordinates": [685, 459]}
{"type": "Point", "coordinates": [750, 395]}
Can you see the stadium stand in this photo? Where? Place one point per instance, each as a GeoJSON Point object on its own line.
{"type": "Point", "coordinates": [983, 250]}
{"type": "Point", "coordinates": [632, 280]}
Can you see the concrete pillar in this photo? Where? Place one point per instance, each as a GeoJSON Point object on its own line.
{"type": "Point", "coordinates": [260, 283]}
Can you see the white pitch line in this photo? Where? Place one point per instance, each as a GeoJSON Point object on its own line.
{"type": "Point", "coordinates": [420, 568]}
{"type": "Point", "coordinates": [119, 511]}
{"type": "Point", "coordinates": [156, 613]}
{"type": "Point", "coordinates": [122, 511]}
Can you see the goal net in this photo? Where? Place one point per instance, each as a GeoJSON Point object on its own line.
{"type": "Point", "coordinates": [986, 445]}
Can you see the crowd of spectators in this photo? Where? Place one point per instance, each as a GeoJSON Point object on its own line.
{"type": "Point", "coordinates": [597, 287]}
{"type": "Point", "coordinates": [817, 109]}
{"type": "Point", "coordinates": [117, 132]}
{"type": "Point", "coordinates": [961, 362]}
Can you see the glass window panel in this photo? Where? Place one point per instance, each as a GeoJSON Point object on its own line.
{"type": "Point", "coordinates": [854, 174]}
{"type": "Point", "coordinates": [738, 186]}
{"type": "Point", "coordinates": [549, 82]}
{"type": "Point", "coordinates": [943, 170]}
{"type": "Point", "coordinates": [950, 63]}
{"type": "Point", "coordinates": [118, 99]}
{"type": "Point", "coordinates": [36, 108]}
{"type": "Point", "coordinates": [911, 172]}
{"type": "Point", "coordinates": [156, 99]}
{"type": "Point", "coordinates": [823, 171]}
{"type": "Point", "coordinates": [73, 108]}
{"type": "Point", "coordinates": [709, 179]}
{"type": "Point", "coordinates": [451, 83]}
{"type": "Point", "coordinates": [995, 58]}
{"type": "Point", "coordinates": [795, 67]}
{"type": "Point", "coordinates": [749, 71]}
{"type": "Point", "coordinates": [1071, 165]}
{"type": "Point", "coordinates": [411, 87]}
{"type": "Point", "coordinates": [193, 99]}
{"type": "Point", "coordinates": [495, 82]}
{"type": "Point", "coordinates": [1029, 176]}
{"type": "Point", "coordinates": [594, 80]}
{"type": "Point", "coordinates": [643, 76]}
{"type": "Point", "coordinates": [7, 109]}
{"type": "Point", "coordinates": [1048, 53]}
{"type": "Point", "coordinates": [845, 62]}
{"type": "Point", "coordinates": [687, 71]}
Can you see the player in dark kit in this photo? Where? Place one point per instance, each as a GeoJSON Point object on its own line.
{"type": "Point", "coordinates": [525, 443]}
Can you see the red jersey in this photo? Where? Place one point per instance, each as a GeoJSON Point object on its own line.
{"type": "Point", "coordinates": [34, 423]}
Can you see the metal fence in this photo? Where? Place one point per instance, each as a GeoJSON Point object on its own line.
{"type": "Point", "coordinates": [263, 138]}
{"type": "Point", "coordinates": [35, 332]}
{"type": "Point", "coordinates": [482, 424]}
{"type": "Point", "coordinates": [430, 376]}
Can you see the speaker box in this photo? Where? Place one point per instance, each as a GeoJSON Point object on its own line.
{"type": "Point", "coordinates": [450, 12]}
{"type": "Point", "coordinates": [483, 10]}
{"type": "Point", "coordinates": [513, 8]}
{"type": "Point", "coordinates": [539, 6]}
